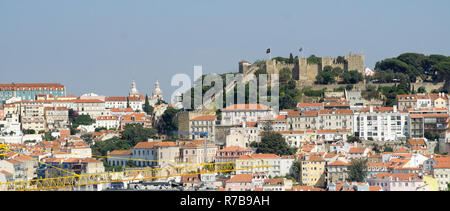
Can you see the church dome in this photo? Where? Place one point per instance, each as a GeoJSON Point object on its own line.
{"type": "Point", "coordinates": [157, 93]}
{"type": "Point", "coordinates": [133, 91]}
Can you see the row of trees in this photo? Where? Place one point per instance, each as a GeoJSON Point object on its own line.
{"type": "Point", "coordinates": [330, 75]}
{"type": "Point", "coordinates": [435, 68]}
{"type": "Point", "coordinates": [130, 136]}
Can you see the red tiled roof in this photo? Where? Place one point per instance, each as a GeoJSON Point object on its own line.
{"type": "Point", "coordinates": [339, 163]}
{"type": "Point", "coordinates": [203, 118]}
{"type": "Point", "coordinates": [258, 156]}
{"type": "Point", "coordinates": [127, 110]}
{"type": "Point", "coordinates": [145, 145]}
{"type": "Point", "coordinates": [309, 105]}
{"type": "Point", "coordinates": [241, 178]}
{"type": "Point", "coordinates": [247, 107]}
{"type": "Point", "coordinates": [121, 152]}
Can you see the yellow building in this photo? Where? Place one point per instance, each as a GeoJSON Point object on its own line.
{"type": "Point", "coordinates": [431, 183]}
{"type": "Point", "coordinates": [312, 170]}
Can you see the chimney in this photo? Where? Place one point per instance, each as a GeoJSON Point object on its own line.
{"type": "Point", "coordinates": [371, 109]}
{"type": "Point", "coordinates": [395, 109]}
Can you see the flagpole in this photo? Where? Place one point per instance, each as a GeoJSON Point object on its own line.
{"type": "Point", "coordinates": [270, 53]}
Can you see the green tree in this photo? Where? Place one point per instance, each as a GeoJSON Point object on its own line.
{"type": "Point", "coordinates": [296, 168]}
{"type": "Point", "coordinates": [168, 122]}
{"type": "Point", "coordinates": [388, 149]}
{"type": "Point", "coordinates": [101, 148]}
{"type": "Point", "coordinates": [135, 133]}
{"type": "Point", "coordinates": [84, 119]}
{"type": "Point", "coordinates": [48, 136]}
{"type": "Point", "coordinates": [314, 60]}
{"type": "Point", "coordinates": [147, 107]}
{"type": "Point", "coordinates": [291, 59]}
{"type": "Point", "coordinates": [272, 142]}
{"type": "Point", "coordinates": [352, 77]}
{"type": "Point", "coordinates": [357, 171]}
{"type": "Point", "coordinates": [87, 138]}
{"type": "Point", "coordinates": [29, 131]}
{"type": "Point", "coordinates": [285, 75]}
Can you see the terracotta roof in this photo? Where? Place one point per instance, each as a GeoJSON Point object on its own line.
{"type": "Point", "coordinates": [305, 188]}
{"type": "Point", "coordinates": [442, 161]}
{"type": "Point", "coordinates": [121, 152]}
{"type": "Point", "coordinates": [90, 160]}
{"type": "Point", "coordinates": [5, 172]}
{"type": "Point", "coordinates": [55, 109]}
{"type": "Point", "coordinates": [310, 113]}
{"type": "Point", "coordinates": [116, 99]}
{"type": "Point", "coordinates": [419, 141]}
{"type": "Point", "coordinates": [309, 105]}
{"type": "Point", "coordinates": [247, 107]}
{"type": "Point", "coordinates": [200, 118]}
{"type": "Point", "coordinates": [166, 144]}
{"type": "Point", "coordinates": [145, 145]}
{"type": "Point", "coordinates": [374, 188]}
{"type": "Point", "coordinates": [357, 150]}
{"type": "Point", "coordinates": [127, 110]}
{"type": "Point", "coordinates": [339, 163]}
{"type": "Point", "coordinates": [258, 156]}
{"type": "Point", "coordinates": [241, 178]}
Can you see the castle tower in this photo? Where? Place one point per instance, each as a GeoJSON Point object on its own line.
{"type": "Point", "coordinates": [356, 62]}
{"type": "Point", "coordinates": [244, 66]}
{"type": "Point", "coordinates": [133, 91]}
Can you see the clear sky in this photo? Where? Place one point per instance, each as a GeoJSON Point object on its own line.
{"type": "Point", "coordinates": [100, 46]}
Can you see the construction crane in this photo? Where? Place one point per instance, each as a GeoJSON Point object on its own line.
{"type": "Point", "coordinates": [70, 182]}
{"type": "Point", "coordinates": [101, 178]}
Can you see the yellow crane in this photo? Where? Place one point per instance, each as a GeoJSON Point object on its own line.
{"type": "Point", "coordinates": [101, 178]}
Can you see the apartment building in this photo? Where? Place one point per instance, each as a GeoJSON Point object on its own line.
{"type": "Point", "coordinates": [238, 113]}
{"type": "Point", "coordinates": [269, 164]}
{"type": "Point", "coordinates": [56, 118]}
{"type": "Point", "coordinates": [381, 123]}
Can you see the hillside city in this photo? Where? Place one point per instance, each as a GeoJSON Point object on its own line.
{"type": "Point", "coordinates": [340, 126]}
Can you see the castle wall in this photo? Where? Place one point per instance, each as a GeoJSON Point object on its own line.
{"type": "Point", "coordinates": [304, 73]}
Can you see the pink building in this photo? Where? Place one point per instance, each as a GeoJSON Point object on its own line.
{"type": "Point", "coordinates": [230, 154]}
{"type": "Point", "coordinates": [396, 181]}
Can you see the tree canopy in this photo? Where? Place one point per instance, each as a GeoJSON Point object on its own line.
{"type": "Point", "coordinates": [272, 142]}
{"type": "Point", "coordinates": [357, 171]}
{"type": "Point", "coordinates": [168, 123]}
{"type": "Point", "coordinates": [412, 65]}
{"type": "Point", "coordinates": [135, 133]}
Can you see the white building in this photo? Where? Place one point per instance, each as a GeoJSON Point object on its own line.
{"type": "Point", "coordinates": [270, 164]}
{"type": "Point", "coordinates": [107, 122]}
{"type": "Point", "coordinates": [240, 113]}
{"type": "Point", "coordinates": [381, 123]}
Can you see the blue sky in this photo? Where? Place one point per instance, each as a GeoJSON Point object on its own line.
{"type": "Point", "coordinates": [100, 46]}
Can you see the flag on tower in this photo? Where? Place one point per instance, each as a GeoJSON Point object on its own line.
{"type": "Point", "coordinates": [301, 49]}
{"type": "Point", "coordinates": [268, 51]}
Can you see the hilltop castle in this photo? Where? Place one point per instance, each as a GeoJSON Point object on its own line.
{"type": "Point", "coordinates": [303, 72]}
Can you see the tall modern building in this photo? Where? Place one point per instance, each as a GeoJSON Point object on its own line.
{"type": "Point", "coordinates": [28, 91]}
